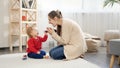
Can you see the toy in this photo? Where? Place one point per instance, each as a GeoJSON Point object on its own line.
{"type": "Point", "coordinates": [24, 57]}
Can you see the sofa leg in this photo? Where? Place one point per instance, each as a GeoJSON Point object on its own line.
{"type": "Point", "coordinates": [112, 60]}
{"type": "Point", "coordinates": [119, 60]}
{"type": "Point", "coordinates": [107, 47]}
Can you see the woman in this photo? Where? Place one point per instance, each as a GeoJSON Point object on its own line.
{"type": "Point", "coordinates": [71, 42]}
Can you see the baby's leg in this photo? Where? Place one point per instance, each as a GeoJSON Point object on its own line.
{"type": "Point", "coordinates": [35, 56]}
{"type": "Point", "coordinates": [44, 54]}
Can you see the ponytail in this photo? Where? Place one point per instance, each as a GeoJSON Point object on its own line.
{"type": "Point", "coordinates": [54, 13]}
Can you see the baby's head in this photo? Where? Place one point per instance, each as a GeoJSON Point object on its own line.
{"type": "Point", "coordinates": [32, 32]}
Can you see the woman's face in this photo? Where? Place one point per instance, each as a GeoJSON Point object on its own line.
{"type": "Point", "coordinates": [52, 21]}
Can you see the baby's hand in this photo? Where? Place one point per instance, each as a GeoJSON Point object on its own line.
{"type": "Point", "coordinates": [46, 32]}
{"type": "Point", "coordinates": [38, 52]}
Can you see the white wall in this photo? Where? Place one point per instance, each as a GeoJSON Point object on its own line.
{"type": "Point", "coordinates": [4, 23]}
{"type": "Point", "coordinates": [95, 23]}
{"type": "Point", "coordinates": [42, 25]}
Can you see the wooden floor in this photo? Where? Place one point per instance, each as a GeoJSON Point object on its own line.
{"type": "Point", "coordinates": [99, 58]}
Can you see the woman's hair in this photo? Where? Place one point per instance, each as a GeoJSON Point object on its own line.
{"type": "Point", "coordinates": [29, 30]}
{"type": "Point", "coordinates": [59, 30]}
{"type": "Point", "coordinates": [57, 14]}
{"type": "Point", "coordinates": [54, 13]}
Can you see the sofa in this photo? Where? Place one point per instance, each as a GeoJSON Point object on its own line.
{"type": "Point", "coordinates": [93, 42]}
{"type": "Point", "coordinates": [111, 34]}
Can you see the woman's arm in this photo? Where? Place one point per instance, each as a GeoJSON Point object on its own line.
{"type": "Point", "coordinates": [59, 39]}
{"type": "Point", "coordinates": [56, 36]}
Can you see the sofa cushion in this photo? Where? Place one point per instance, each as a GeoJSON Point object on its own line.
{"type": "Point", "coordinates": [92, 45]}
{"type": "Point", "coordinates": [111, 34]}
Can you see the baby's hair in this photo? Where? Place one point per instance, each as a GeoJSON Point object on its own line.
{"type": "Point", "coordinates": [29, 30]}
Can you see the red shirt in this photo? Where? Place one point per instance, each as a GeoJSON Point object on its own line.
{"type": "Point", "coordinates": [35, 45]}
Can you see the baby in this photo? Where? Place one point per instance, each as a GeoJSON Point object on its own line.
{"type": "Point", "coordinates": [35, 44]}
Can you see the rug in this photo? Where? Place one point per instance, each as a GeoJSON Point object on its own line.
{"type": "Point", "coordinates": [16, 61]}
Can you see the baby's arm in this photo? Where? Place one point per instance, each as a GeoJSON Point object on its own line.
{"type": "Point", "coordinates": [44, 38]}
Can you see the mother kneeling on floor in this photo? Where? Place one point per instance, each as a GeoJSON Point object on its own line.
{"type": "Point", "coordinates": [71, 42]}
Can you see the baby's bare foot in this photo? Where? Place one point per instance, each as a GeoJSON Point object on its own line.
{"type": "Point", "coordinates": [46, 57]}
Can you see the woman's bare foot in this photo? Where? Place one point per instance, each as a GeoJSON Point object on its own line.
{"type": "Point", "coordinates": [46, 57]}
{"type": "Point", "coordinates": [82, 56]}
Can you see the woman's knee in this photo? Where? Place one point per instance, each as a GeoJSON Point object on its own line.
{"type": "Point", "coordinates": [52, 54]}
{"type": "Point", "coordinates": [55, 53]}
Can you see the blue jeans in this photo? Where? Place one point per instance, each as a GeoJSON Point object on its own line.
{"type": "Point", "coordinates": [57, 53]}
{"type": "Point", "coordinates": [37, 56]}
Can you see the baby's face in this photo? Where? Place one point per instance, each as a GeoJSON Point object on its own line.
{"type": "Point", "coordinates": [34, 32]}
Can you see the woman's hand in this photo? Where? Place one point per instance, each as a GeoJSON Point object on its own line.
{"type": "Point", "coordinates": [50, 30]}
